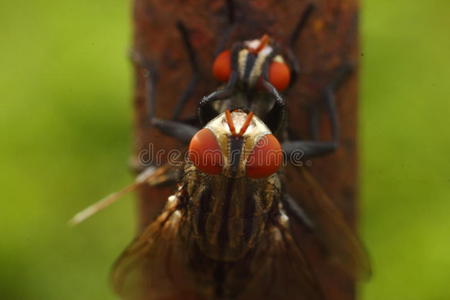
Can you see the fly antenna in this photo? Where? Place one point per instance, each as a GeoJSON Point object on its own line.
{"type": "Point", "coordinates": [262, 43]}
{"type": "Point", "coordinates": [230, 122]}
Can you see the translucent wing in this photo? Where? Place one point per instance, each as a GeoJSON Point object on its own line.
{"type": "Point", "coordinates": [153, 265]}
{"type": "Point", "coordinates": [281, 270]}
{"type": "Point", "coordinates": [152, 176]}
{"type": "Point", "coordinates": [328, 224]}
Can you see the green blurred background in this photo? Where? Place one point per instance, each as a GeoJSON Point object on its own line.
{"type": "Point", "coordinates": [65, 117]}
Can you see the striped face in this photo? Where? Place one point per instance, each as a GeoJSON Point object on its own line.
{"type": "Point", "coordinates": [236, 144]}
{"type": "Point", "coordinates": [251, 61]}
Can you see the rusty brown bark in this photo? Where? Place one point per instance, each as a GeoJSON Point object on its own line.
{"type": "Point", "coordinates": [329, 41]}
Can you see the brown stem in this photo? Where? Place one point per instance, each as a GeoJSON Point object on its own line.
{"type": "Point", "coordinates": [329, 41]}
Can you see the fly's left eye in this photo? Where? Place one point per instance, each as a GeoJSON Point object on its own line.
{"type": "Point", "coordinates": [204, 152]}
{"type": "Point", "coordinates": [279, 75]}
{"type": "Point", "coordinates": [222, 66]}
{"type": "Point", "coordinates": [265, 158]}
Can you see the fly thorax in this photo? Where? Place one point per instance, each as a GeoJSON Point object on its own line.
{"type": "Point", "coordinates": [228, 216]}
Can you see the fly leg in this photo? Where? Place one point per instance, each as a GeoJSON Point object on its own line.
{"type": "Point", "coordinates": [176, 129]}
{"type": "Point", "coordinates": [205, 110]}
{"type": "Point", "coordinates": [314, 124]}
{"type": "Point", "coordinates": [189, 90]}
{"type": "Point", "coordinates": [315, 147]}
{"type": "Point", "coordinates": [295, 210]}
{"type": "Point", "coordinates": [293, 60]}
{"type": "Point", "coordinates": [225, 36]}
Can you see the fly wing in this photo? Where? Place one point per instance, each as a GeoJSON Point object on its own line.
{"type": "Point", "coordinates": [281, 270]}
{"type": "Point", "coordinates": [153, 265]}
{"type": "Point", "coordinates": [328, 224]}
{"type": "Point", "coordinates": [152, 176]}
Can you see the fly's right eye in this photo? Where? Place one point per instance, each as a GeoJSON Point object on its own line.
{"type": "Point", "coordinates": [222, 66]}
{"type": "Point", "coordinates": [204, 152]}
{"type": "Point", "coordinates": [279, 75]}
{"type": "Point", "coordinates": [265, 158]}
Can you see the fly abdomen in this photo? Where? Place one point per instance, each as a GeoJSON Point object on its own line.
{"type": "Point", "coordinates": [228, 239]}
{"type": "Point", "coordinates": [228, 216]}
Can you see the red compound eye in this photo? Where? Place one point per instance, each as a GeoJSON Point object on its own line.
{"type": "Point", "coordinates": [204, 152]}
{"type": "Point", "coordinates": [222, 66]}
{"type": "Point", "coordinates": [266, 157]}
{"type": "Point", "coordinates": [279, 75]}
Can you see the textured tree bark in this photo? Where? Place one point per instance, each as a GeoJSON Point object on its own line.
{"type": "Point", "coordinates": [329, 41]}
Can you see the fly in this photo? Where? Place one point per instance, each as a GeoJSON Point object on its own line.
{"type": "Point", "coordinates": [226, 231]}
